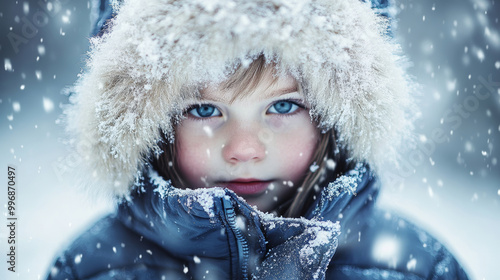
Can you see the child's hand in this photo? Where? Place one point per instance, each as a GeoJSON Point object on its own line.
{"type": "Point", "coordinates": [302, 256]}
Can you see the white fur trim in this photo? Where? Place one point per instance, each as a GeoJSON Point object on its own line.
{"type": "Point", "coordinates": [159, 52]}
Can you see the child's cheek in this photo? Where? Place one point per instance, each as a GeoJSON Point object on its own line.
{"type": "Point", "coordinates": [296, 150]}
{"type": "Point", "coordinates": [299, 155]}
{"type": "Point", "coordinates": [276, 123]}
{"type": "Point", "coordinates": [294, 124]}
{"type": "Point", "coordinates": [193, 156]}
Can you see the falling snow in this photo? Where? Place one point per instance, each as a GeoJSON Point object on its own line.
{"type": "Point", "coordinates": [411, 265]}
{"type": "Point", "coordinates": [196, 259]}
{"type": "Point", "coordinates": [208, 131]}
{"type": "Point", "coordinates": [48, 105]}
{"type": "Point", "coordinates": [480, 55]}
{"type": "Point", "coordinates": [430, 191]}
{"type": "Point", "coordinates": [41, 50]}
{"type": "Point", "coordinates": [313, 167]}
{"type": "Point", "coordinates": [78, 258]}
{"type": "Point", "coordinates": [330, 164]}
{"type": "Point", "coordinates": [7, 65]}
{"type": "Point", "coordinates": [16, 106]}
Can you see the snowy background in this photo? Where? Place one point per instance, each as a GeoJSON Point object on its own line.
{"type": "Point", "coordinates": [451, 183]}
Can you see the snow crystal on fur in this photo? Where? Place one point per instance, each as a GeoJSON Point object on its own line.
{"type": "Point", "coordinates": [158, 54]}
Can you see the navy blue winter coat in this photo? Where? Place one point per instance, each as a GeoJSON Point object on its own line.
{"type": "Point", "coordinates": [165, 233]}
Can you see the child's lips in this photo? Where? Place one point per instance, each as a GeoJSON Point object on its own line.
{"type": "Point", "coordinates": [246, 186]}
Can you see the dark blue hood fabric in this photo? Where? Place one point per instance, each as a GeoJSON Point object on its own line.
{"type": "Point", "coordinates": [161, 232]}
{"type": "Point", "coordinates": [101, 13]}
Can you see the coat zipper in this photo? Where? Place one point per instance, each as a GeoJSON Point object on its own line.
{"type": "Point", "coordinates": [240, 239]}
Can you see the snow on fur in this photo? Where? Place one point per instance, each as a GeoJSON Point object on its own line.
{"type": "Point", "coordinates": [157, 55]}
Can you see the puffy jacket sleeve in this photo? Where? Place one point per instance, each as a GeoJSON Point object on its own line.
{"type": "Point", "coordinates": [62, 269]}
{"type": "Point", "coordinates": [446, 267]}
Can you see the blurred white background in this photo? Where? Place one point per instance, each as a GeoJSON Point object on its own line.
{"type": "Point", "coordinates": [452, 189]}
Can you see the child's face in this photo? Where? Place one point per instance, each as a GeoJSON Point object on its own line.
{"type": "Point", "coordinates": [259, 145]}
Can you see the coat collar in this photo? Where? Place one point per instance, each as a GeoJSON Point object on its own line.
{"type": "Point", "coordinates": [193, 225]}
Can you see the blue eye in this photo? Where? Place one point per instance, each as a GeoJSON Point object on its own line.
{"type": "Point", "coordinates": [204, 111]}
{"type": "Point", "coordinates": [283, 107]}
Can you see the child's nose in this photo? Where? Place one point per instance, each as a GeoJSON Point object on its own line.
{"type": "Point", "coordinates": [244, 145]}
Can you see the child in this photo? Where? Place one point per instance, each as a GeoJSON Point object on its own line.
{"type": "Point", "coordinates": [242, 139]}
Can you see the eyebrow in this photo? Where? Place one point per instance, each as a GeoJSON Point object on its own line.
{"type": "Point", "coordinates": [283, 91]}
{"type": "Point", "coordinates": [274, 93]}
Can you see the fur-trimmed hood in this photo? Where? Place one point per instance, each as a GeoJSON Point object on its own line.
{"type": "Point", "coordinates": [157, 54]}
